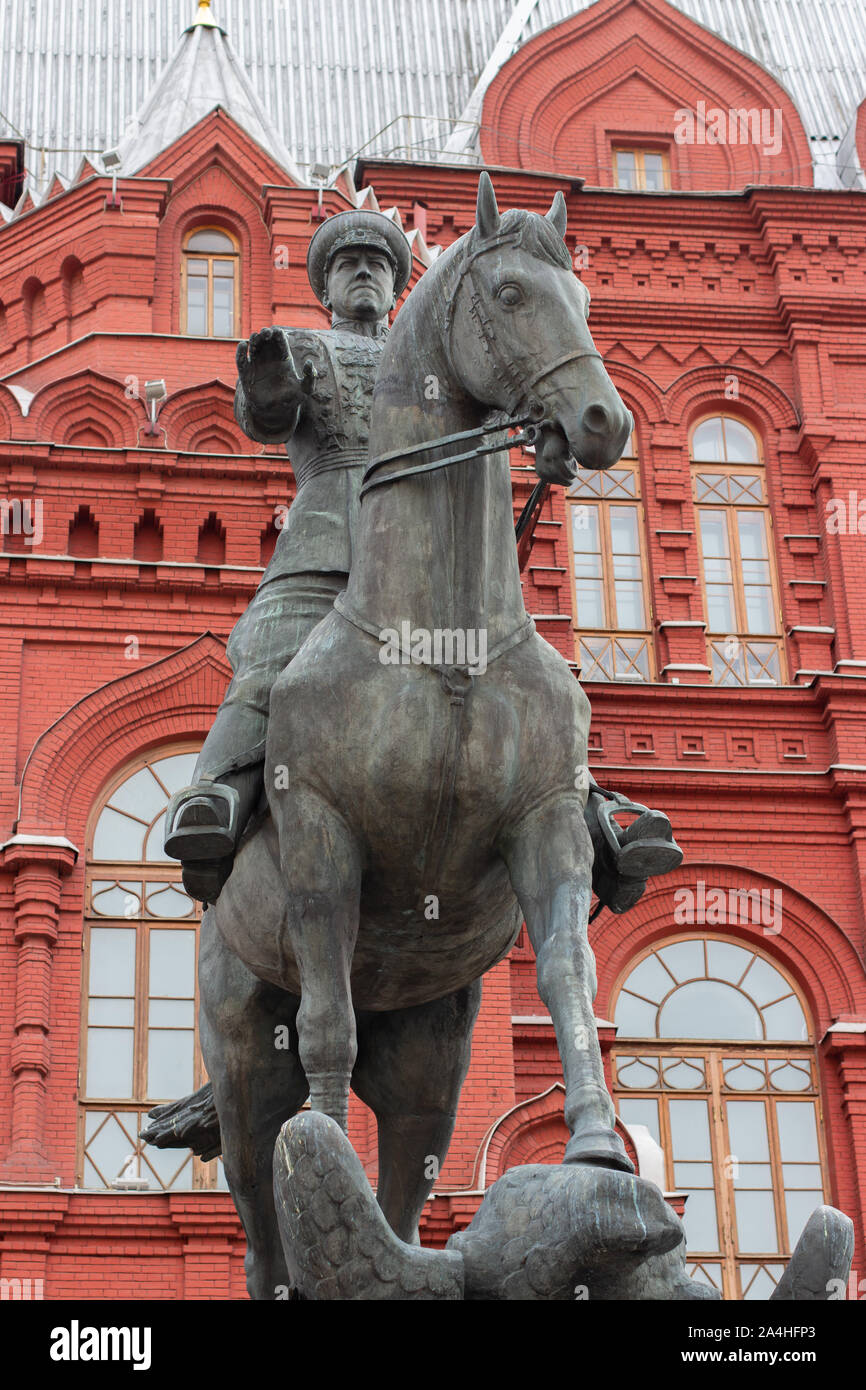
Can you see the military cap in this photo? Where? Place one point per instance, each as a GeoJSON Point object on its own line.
{"type": "Point", "coordinates": [358, 228]}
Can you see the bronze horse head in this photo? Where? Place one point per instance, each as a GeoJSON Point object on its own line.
{"type": "Point", "coordinates": [517, 297]}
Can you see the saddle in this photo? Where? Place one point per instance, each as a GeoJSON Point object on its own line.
{"type": "Point", "coordinates": [626, 857]}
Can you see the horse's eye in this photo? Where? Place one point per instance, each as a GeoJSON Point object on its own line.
{"type": "Point", "coordinates": [510, 295]}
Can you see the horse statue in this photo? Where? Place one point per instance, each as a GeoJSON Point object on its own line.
{"type": "Point", "coordinates": [423, 806]}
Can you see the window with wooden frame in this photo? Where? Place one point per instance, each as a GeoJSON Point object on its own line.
{"type": "Point", "coordinates": [611, 607]}
{"type": "Point", "coordinates": [139, 1044]}
{"type": "Point", "coordinates": [643, 171]}
{"type": "Point", "coordinates": [715, 1056]}
{"type": "Point", "coordinates": [210, 284]}
{"type": "Point", "coordinates": [744, 620]}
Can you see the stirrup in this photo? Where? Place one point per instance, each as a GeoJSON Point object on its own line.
{"type": "Point", "coordinates": [202, 822]}
{"type": "Point", "coordinates": [625, 857]}
{"type": "Point", "coordinates": [643, 849]}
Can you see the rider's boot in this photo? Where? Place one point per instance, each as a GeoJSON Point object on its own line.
{"type": "Point", "coordinates": [626, 856]}
{"type": "Point", "coordinates": [204, 823]}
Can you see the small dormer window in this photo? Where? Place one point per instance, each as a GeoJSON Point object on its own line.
{"type": "Point", "coordinates": [645, 171]}
{"type": "Point", "coordinates": [210, 284]}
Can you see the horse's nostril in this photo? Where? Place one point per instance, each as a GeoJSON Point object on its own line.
{"type": "Point", "coordinates": [596, 419]}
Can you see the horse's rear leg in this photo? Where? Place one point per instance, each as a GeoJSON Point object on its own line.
{"type": "Point", "coordinates": [549, 858]}
{"type": "Point", "coordinates": [321, 865]}
{"type": "Point", "coordinates": [258, 1084]}
{"type": "Point", "coordinates": [410, 1069]}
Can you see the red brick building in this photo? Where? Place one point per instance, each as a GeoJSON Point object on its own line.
{"type": "Point", "coordinates": [710, 590]}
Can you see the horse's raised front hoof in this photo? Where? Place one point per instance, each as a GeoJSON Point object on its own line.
{"type": "Point", "coordinates": [603, 1147]}
{"type": "Point", "coordinates": [336, 1240]}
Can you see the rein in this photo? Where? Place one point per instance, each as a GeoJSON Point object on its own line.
{"type": "Point", "coordinates": [528, 436]}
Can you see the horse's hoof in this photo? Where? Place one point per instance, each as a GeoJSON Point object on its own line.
{"type": "Point", "coordinates": [602, 1147]}
{"type": "Point", "coordinates": [336, 1240]}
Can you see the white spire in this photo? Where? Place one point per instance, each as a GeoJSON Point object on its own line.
{"type": "Point", "coordinates": [464, 139]}
{"type": "Point", "coordinates": [203, 73]}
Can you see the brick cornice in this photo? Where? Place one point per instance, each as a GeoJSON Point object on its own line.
{"type": "Point", "coordinates": [53, 221]}
{"type": "Point", "coordinates": [39, 853]}
{"type": "Point", "coordinates": [208, 1219]}
{"type": "Point", "coordinates": [23, 1219]}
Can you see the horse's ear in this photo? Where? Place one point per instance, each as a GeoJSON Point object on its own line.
{"type": "Point", "coordinates": [486, 211]}
{"type": "Point", "coordinates": [558, 213]}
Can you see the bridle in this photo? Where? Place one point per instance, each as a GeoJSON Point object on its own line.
{"type": "Point", "coordinates": [527, 409]}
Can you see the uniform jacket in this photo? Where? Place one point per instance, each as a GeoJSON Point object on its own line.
{"type": "Point", "coordinates": [327, 448]}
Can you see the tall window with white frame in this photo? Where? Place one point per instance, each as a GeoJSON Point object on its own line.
{"type": "Point", "coordinates": [611, 606]}
{"type": "Point", "coordinates": [139, 1043]}
{"type": "Point", "coordinates": [744, 641]}
{"type": "Point", "coordinates": [715, 1056]}
{"type": "Point", "coordinates": [210, 284]}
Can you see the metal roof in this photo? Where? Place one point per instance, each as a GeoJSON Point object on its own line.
{"type": "Point", "coordinates": [338, 77]}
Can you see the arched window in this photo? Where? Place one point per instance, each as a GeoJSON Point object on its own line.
{"type": "Point", "coordinates": [35, 314]}
{"type": "Point", "coordinates": [210, 284]}
{"type": "Point", "coordinates": [72, 279]}
{"type": "Point", "coordinates": [139, 1041]}
{"type": "Point", "coordinates": [611, 606]}
{"type": "Point", "coordinates": [715, 1056]}
{"type": "Point", "coordinates": [734, 535]}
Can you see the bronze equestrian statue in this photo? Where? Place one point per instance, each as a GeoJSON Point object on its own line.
{"type": "Point", "coordinates": [313, 389]}
{"type": "Point", "coordinates": [394, 787]}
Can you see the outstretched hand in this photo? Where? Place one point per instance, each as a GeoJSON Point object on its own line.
{"type": "Point", "coordinates": [268, 373]}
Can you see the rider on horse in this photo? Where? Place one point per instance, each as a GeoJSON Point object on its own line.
{"type": "Point", "coordinates": [315, 388]}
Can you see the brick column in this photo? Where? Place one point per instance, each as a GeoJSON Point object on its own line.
{"type": "Point", "coordinates": [844, 709]}
{"type": "Point", "coordinates": [39, 864]}
{"type": "Point", "coordinates": [209, 1228]}
{"type": "Point", "coordinates": [27, 1223]}
{"type": "Point", "coordinates": [845, 1043]}
{"type": "Point", "coordinates": [291, 217]}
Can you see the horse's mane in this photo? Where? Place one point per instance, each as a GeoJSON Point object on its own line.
{"type": "Point", "coordinates": [536, 235]}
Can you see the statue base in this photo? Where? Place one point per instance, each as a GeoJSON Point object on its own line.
{"type": "Point", "coordinates": [543, 1232]}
